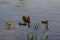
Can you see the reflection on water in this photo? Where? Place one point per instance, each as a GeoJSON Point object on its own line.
{"type": "Point", "coordinates": [21, 0]}
{"type": "Point", "coordinates": [21, 5]}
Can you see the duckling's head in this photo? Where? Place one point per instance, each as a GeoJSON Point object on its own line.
{"type": "Point", "coordinates": [44, 22]}
{"type": "Point", "coordinates": [9, 25]}
{"type": "Point", "coordinates": [21, 23]}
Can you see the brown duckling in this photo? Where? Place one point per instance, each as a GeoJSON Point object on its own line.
{"type": "Point", "coordinates": [36, 26]}
{"type": "Point", "coordinates": [47, 27]}
{"type": "Point", "coordinates": [21, 23]}
{"type": "Point", "coordinates": [26, 19]}
{"type": "Point", "coordinates": [10, 25]}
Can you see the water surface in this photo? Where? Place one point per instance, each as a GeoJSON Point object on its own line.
{"type": "Point", "coordinates": [38, 10]}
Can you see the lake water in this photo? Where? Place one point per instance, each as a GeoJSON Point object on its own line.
{"type": "Point", "coordinates": [38, 10]}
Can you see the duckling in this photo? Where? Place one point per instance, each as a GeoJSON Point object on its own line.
{"type": "Point", "coordinates": [21, 23]}
{"type": "Point", "coordinates": [36, 26]}
{"type": "Point", "coordinates": [44, 22]}
{"type": "Point", "coordinates": [26, 19]}
{"type": "Point", "coordinates": [10, 25]}
{"type": "Point", "coordinates": [47, 27]}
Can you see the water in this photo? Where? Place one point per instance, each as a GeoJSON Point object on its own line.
{"type": "Point", "coordinates": [38, 10]}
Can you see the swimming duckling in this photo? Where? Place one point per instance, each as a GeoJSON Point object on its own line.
{"type": "Point", "coordinates": [21, 23]}
{"type": "Point", "coordinates": [10, 25]}
{"type": "Point", "coordinates": [45, 22]}
{"type": "Point", "coordinates": [26, 19]}
{"type": "Point", "coordinates": [36, 26]}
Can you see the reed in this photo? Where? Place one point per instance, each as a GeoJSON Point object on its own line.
{"type": "Point", "coordinates": [33, 37]}
{"type": "Point", "coordinates": [45, 37]}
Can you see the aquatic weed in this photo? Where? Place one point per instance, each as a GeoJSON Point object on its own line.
{"type": "Point", "coordinates": [45, 36]}
{"type": "Point", "coordinates": [34, 37]}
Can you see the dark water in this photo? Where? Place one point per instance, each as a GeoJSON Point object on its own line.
{"type": "Point", "coordinates": [38, 10]}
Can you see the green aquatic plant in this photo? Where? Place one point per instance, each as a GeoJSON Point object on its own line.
{"type": "Point", "coordinates": [33, 37]}
{"type": "Point", "coordinates": [45, 37]}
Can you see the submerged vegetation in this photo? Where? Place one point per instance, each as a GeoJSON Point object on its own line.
{"type": "Point", "coordinates": [21, 0]}
{"type": "Point", "coordinates": [33, 37]}
{"type": "Point", "coordinates": [45, 36]}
